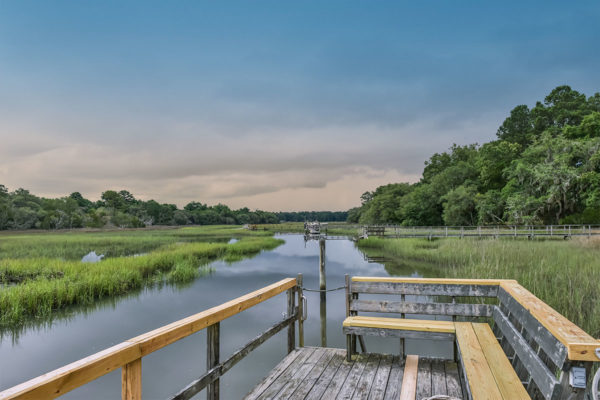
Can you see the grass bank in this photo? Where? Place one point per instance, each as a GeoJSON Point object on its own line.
{"type": "Point", "coordinates": [33, 285]}
{"type": "Point", "coordinates": [564, 274]}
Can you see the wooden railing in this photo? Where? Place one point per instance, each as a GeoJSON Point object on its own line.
{"type": "Point", "coordinates": [128, 355]}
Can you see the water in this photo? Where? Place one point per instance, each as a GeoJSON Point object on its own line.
{"type": "Point", "coordinates": [53, 344]}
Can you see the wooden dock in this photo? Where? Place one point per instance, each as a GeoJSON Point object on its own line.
{"type": "Point", "coordinates": [323, 373]}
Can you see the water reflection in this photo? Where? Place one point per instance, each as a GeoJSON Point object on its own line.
{"type": "Point", "coordinates": [85, 330]}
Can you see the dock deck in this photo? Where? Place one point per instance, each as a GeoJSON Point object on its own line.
{"type": "Point", "coordinates": [324, 373]}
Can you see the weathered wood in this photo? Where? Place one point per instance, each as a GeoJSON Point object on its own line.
{"type": "Point", "coordinates": [392, 392]}
{"type": "Point", "coordinates": [301, 311]}
{"type": "Point", "coordinates": [348, 296]}
{"type": "Point", "coordinates": [131, 380]}
{"type": "Point", "coordinates": [580, 346]}
{"type": "Point", "coordinates": [406, 334]}
{"type": "Point", "coordinates": [380, 382]}
{"type": "Point", "coordinates": [449, 281]}
{"type": "Point", "coordinates": [320, 357]}
{"type": "Point", "coordinates": [479, 377]}
{"type": "Point", "coordinates": [425, 289]}
{"type": "Point", "coordinates": [438, 378]}
{"type": "Point", "coordinates": [321, 384]}
{"type": "Point", "coordinates": [399, 307]}
{"type": "Point", "coordinates": [322, 275]}
{"type": "Point", "coordinates": [291, 337]}
{"type": "Point", "coordinates": [554, 349]}
{"type": "Point", "coordinates": [197, 385]}
{"type": "Point", "coordinates": [276, 385]}
{"type": "Point", "coordinates": [453, 386]}
{"type": "Point", "coordinates": [409, 380]}
{"type": "Point", "coordinates": [351, 381]}
{"type": "Point", "coordinates": [363, 387]}
{"type": "Point", "coordinates": [275, 373]}
{"type": "Point", "coordinates": [213, 350]}
{"type": "Point", "coordinates": [539, 372]}
{"type": "Point", "coordinates": [424, 380]}
{"type": "Point", "coordinates": [338, 380]}
{"type": "Point", "coordinates": [507, 380]}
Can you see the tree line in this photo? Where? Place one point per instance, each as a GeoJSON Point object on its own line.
{"type": "Point", "coordinates": [21, 209]}
{"type": "Point", "coordinates": [544, 168]}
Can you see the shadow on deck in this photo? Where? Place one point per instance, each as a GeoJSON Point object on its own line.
{"type": "Point", "coordinates": [324, 373]}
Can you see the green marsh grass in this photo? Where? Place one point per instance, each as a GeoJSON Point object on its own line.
{"type": "Point", "coordinates": [36, 285]}
{"type": "Point", "coordinates": [564, 274]}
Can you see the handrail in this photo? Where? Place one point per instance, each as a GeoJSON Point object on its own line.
{"type": "Point", "coordinates": [128, 354]}
{"type": "Point", "coordinates": [580, 345]}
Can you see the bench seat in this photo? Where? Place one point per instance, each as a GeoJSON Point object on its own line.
{"type": "Point", "coordinates": [489, 373]}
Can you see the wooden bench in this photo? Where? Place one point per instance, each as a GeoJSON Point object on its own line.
{"type": "Point", "coordinates": [532, 350]}
{"type": "Point", "coordinates": [489, 374]}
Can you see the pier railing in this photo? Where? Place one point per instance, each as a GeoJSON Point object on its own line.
{"type": "Point", "coordinates": [529, 231]}
{"type": "Point", "coordinates": [128, 355]}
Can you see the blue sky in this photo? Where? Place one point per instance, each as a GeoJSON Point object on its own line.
{"type": "Point", "coordinates": [273, 105]}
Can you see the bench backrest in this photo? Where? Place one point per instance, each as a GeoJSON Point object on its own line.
{"type": "Point", "coordinates": [542, 345]}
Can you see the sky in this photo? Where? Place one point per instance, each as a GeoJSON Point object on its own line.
{"type": "Point", "coordinates": [272, 105]}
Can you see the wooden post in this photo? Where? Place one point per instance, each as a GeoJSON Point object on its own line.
{"type": "Point", "coordinates": [323, 314]}
{"type": "Point", "coordinates": [292, 328]}
{"type": "Point", "coordinates": [212, 359]}
{"type": "Point", "coordinates": [300, 312]}
{"type": "Point", "coordinates": [322, 277]}
{"type": "Point", "coordinates": [131, 380]}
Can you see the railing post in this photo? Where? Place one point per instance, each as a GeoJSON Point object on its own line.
{"type": "Point", "coordinates": [292, 328]}
{"type": "Point", "coordinates": [300, 312]}
{"type": "Point", "coordinates": [131, 380]}
{"type": "Point", "coordinates": [212, 359]}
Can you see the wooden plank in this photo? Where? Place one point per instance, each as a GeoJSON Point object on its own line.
{"type": "Point", "coordinates": [291, 337]}
{"type": "Point", "coordinates": [320, 357]}
{"type": "Point", "coordinates": [213, 350]}
{"type": "Point", "coordinates": [275, 372]}
{"type": "Point", "coordinates": [64, 379]}
{"type": "Point", "coordinates": [321, 384]}
{"type": "Point", "coordinates": [424, 379]}
{"type": "Point", "coordinates": [580, 346]}
{"type": "Point", "coordinates": [438, 378]}
{"type": "Point", "coordinates": [198, 384]}
{"type": "Point", "coordinates": [453, 386]}
{"type": "Point", "coordinates": [425, 289]}
{"type": "Point", "coordinates": [285, 378]}
{"type": "Point", "coordinates": [351, 381]}
{"type": "Point", "coordinates": [479, 377]}
{"type": "Point", "coordinates": [161, 337]}
{"type": "Point", "coordinates": [281, 373]}
{"type": "Point", "coordinates": [398, 333]}
{"type": "Point", "coordinates": [131, 380]}
{"type": "Point", "coordinates": [392, 391]}
{"type": "Point", "coordinates": [539, 372]}
{"type": "Point", "coordinates": [506, 378]}
{"type": "Point", "coordinates": [554, 349]}
{"type": "Point", "coordinates": [363, 387]}
{"type": "Point", "coordinates": [380, 381]}
{"type": "Point", "coordinates": [409, 380]}
{"type": "Point", "coordinates": [400, 323]}
{"type": "Point", "coordinates": [452, 281]}
{"type": "Point", "coordinates": [401, 307]}
{"type": "Point", "coordinates": [339, 378]}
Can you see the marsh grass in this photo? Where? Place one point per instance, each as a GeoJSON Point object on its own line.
{"type": "Point", "coordinates": [564, 274]}
{"type": "Point", "coordinates": [45, 284]}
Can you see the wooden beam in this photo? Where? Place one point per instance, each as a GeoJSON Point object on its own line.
{"type": "Point", "coordinates": [480, 379]}
{"type": "Point", "coordinates": [448, 281]}
{"type": "Point", "coordinates": [131, 380]}
{"type": "Point", "coordinates": [580, 346]}
{"type": "Point", "coordinates": [506, 378]}
{"type": "Point", "coordinates": [400, 324]}
{"type": "Point", "coordinates": [71, 376]}
{"type": "Point", "coordinates": [425, 289]}
{"type": "Point", "coordinates": [409, 380]}
{"type": "Point", "coordinates": [402, 307]}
